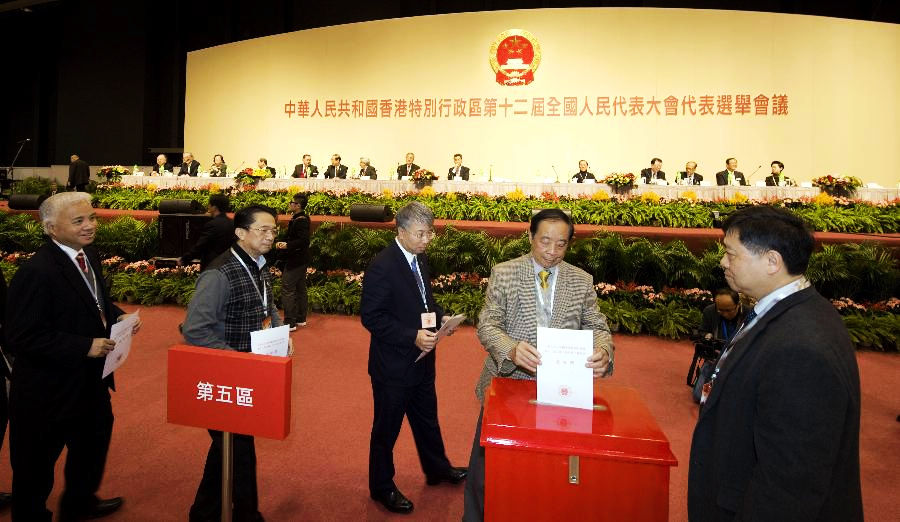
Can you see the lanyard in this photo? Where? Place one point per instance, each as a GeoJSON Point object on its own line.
{"type": "Point", "coordinates": [92, 283]}
{"type": "Point", "coordinates": [540, 293]}
{"type": "Point", "coordinates": [420, 282]}
{"type": "Point", "coordinates": [262, 296]}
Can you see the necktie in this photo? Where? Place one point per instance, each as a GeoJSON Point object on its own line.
{"type": "Point", "coordinates": [544, 275]}
{"type": "Point", "coordinates": [415, 270]}
{"type": "Point", "coordinates": [81, 264]}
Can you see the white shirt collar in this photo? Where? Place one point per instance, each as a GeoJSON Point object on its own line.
{"type": "Point", "coordinates": [769, 300]}
{"type": "Point", "coordinates": [71, 252]}
{"type": "Point", "coordinates": [409, 256]}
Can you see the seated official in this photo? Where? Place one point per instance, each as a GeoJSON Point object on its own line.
{"type": "Point", "coordinates": [336, 170]}
{"type": "Point", "coordinates": [189, 166]}
{"type": "Point", "coordinates": [366, 169]}
{"type": "Point", "coordinates": [654, 173]}
{"type": "Point", "coordinates": [162, 165]}
{"type": "Point", "coordinates": [722, 318]}
{"type": "Point", "coordinates": [408, 168]}
{"type": "Point", "coordinates": [263, 164]}
{"type": "Point", "coordinates": [777, 178]}
{"type": "Point", "coordinates": [690, 176]}
{"type": "Point", "coordinates": [457, 170]}
{"type": "Point", "coordinates": [218, 168]}
{"type": "Point", "coordinates": [730, 176]}
{"type": "Point", "coordinates": [582, 173]}
{"type": "Point", "coordinates": [306, 169]}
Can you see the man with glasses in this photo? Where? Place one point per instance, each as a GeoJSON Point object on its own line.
{"type": "Point", "coordinates": [233, 298]}
{"type": "Point", "coordinates": [401, 314]}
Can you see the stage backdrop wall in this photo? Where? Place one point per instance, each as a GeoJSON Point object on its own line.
{"type": "Point", "coordinates": [818, 94]}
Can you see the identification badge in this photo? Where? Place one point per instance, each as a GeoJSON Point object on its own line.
{"type": "Point", "coordinates": [707, 387]}
{"type": "Point", "coordinates": [429, 320]}
{"type": "Point", "coordinates": [266, 323]}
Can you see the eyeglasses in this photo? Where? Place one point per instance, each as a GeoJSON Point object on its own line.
{"type": "Point", "coordinates": [422, 234]}
{"type": "Point", "coordinates": [265, 231]}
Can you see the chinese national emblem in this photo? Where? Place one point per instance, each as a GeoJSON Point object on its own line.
{"type": "Point", "coordinates": [515, 55]}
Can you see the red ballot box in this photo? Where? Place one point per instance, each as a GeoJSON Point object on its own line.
{"type": "Point", "coordinates": [229, 391]}
{"type": "Point", "coordinates": [611, 463]}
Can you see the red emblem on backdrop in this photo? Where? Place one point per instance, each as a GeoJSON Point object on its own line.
{"type": "Point", "coordinates": [514, 56]}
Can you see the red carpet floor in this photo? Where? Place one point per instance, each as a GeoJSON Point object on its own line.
{"type": "Point", "coordinates": [320, 471]}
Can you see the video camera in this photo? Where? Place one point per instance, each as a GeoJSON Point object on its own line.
{"type": "Point", "coordinates": [706, 352]}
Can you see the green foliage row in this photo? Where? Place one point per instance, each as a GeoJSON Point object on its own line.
{"type": "Point", "coordinates": [855, 218]}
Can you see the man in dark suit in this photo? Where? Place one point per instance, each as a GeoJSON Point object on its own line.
{"type": "Point", "coordinates": [653, 173]}
{"type": "Point", "coordinates": [336, 170]}
{"type": "Point", "coordinates": [189, 166]}
{"type": "Point", "coordinates": [162, 165]}
{"type": "Point", "coordinates": [690, 176]}
{"type": "Point", "coordinates": [366, 169]}
{"type": "Point", "coordinates": [306, 169]}
{"type": "Point", "coordinates": [457, 170]}
{"type": "Point", "coordinates": [722, 318]}
{"type": "Point", "coordinates": [295, 253]}
{"type": "Point", "coordinates": [5, 498]}
{"type": "Point", "coordinates": [216, 236]}
{"type": "Point", "coordinates": [730, 175]}
{"type": "Point", "coordinates": [59, 333]}
{"type": "Point", "coordinates": [777, 178]}
{"type": "Point", "coordinates": [401, 314]}
{"type": "Point", "coordinates": [777, 437]}
{"type": "Point", "coordinates": [408, 168]}
{"type": "Point", "coordinates": [582, 173]}
{"type": "Point", "coordinates": [263, 164]}
{"type": "Point", "coordinates": [79, 173]}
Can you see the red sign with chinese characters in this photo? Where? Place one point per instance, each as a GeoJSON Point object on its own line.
{"type": "Point", "coordinates": [229, 391]}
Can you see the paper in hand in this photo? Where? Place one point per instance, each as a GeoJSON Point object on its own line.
{"type": "Point", "coordinates": [271, 341]}
{"type": "Point", "coordinates": [451, 323]}
{"type": "Point", "coordinates": [120, 333]}
{"type": "Point", "coordinates": [562, 377]}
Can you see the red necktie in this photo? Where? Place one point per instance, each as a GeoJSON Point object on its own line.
{"type": "Point", "coordinates": [81, 264]}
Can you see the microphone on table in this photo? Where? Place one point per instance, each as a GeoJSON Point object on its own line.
{"type": "Point", "coordinates": [554, 171]}
{"type": "Point", "coordinates": [26, 140]}
{"type": "Point", "coordinates": [751, 175]}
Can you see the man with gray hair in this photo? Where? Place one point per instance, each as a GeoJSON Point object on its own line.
{"type": "Point", "coordinates": [401, 315]}
{"type": "Point", "coordinates": [59, 333]}
{"type": "Point", "coordinates": [366, 169]}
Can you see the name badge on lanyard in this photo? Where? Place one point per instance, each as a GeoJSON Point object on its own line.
{"type": "Point", "coordinates": [267, 321]}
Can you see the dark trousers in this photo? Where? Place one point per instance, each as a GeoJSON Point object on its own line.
{"type": "Point", "coordinates": [35, 445]}
{"type": "Point", "coordinates": [208, 502]}
{"type": "Point", "coordinates": [4, 408]}
{"type": "Point", "coordinates": [293, 294]}
{"type": "Point", "coordinates": [473, 505]}
{"type": "Point", "coordinates": [419, 405]}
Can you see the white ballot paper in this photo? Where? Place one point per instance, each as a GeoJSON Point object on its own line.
{"type": "Point", "coordinates": [271, 341]}
{"type": "Point", "coordinates": [451, 323]}
{"type": "Point", "coordinates": [562, 378]}
{"type": "Point", "coordinates": [121, 334]}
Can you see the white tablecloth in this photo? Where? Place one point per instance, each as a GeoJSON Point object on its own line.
{"type": "Point", "coordinates": [494, 188]}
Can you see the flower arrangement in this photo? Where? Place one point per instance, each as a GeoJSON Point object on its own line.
{"type": "Point", "coordinates": [617, 179]}
{"type": "Point", "coordinates": [847, 183]}
{"type": "Point", "coordinates": [823, 199]}
{"type": "Point", "coordinates": [250, 178]}
{"type": "Point", "coordinates": [112, 173]}
{"type": "Point", "coordinates": [424, 175]}
{"type": "Point", "coordinates": [689, 195]}
{"type": "Point", "coordinates": [600, 195]}
{"type": "Point", "coordinates": [515, 195]}
{"type": "Point", "coordinates": [427, 192]}
{"type": "Point", "coordinates": [650, 197]}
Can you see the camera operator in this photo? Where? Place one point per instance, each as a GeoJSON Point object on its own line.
{"type": "Point", "coordinates": [722, 318]}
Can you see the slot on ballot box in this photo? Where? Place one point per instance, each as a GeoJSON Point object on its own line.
{"type": "Point", "coordinates": [609, 463]}
{"type": "Point", "coordinates": [229, 391]}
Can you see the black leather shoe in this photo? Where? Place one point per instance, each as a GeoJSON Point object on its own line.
{"type": "Point", "coordinates": [104, 507]}
{"type": "Point", "coordinates": [394, 501]}
{"type": "Point", "coordinates": [454, 476]}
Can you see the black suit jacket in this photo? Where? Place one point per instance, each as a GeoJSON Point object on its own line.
{"type": "Point", "coordinates": [167, 167]}
{"type": "Point", "coordinates": [771, 181]}
{"type": "Point", "coordinates": [646, 175]}
{"type": "Point", "coordinates": [369, 171]}
{"type": "Point", "coordinates": [463, 173]}
{"type": "Point", "coordinates": [296, 252]}
{"type": "Point", "coordinates": [312, 171]}
{"type": "Point", "coordinates": [50, 331]}
{"type": "Point", "coordinates": [778, 437]}
{"type": "Point", "coordinates": [401, 170]}
{"type": "Point", "coordinates": [341, 172]}
{"type": "Point", "coordinates": [216, 237]}
{"type": "Point", "coordinates": [722, 177]}
{"type": "Point", "coordinates": [189, 169]}
{"type": "Point", "coordinates": [79, 173]}
{"type": "Point", "coordinates": [391, 311]}
{"type": "Point", "coordinates": [697, 177]}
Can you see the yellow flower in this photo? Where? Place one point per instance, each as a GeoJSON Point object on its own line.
{"type": "Point", "coordinates": [427, 192]}
{"type": "Point", "coordinates": [387, 194]}
{"type": "Point", "coordinates": [451, 196]}
{"type": "Point", "coordinates": [689, 195]}
{"type": "Point", "coordinates": [650, 197]}
{"type": "Point", "coordinates": [600, 195]}
{"type": "Point", "coordinates": [516, 195]}
{"type": "Point", "coordinates": [293, 189]}
{"type": "Point", "coordinates": [214, 188]}
{"type": "Point", "coordinates": [151, 187]}
{"type": "Point", "coordinates": [738, 198]}
{"type": "Point", "coordinates": [823, 199]}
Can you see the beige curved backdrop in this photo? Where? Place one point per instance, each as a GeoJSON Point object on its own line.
{"type": "Point", "coordinates": [840, 79]}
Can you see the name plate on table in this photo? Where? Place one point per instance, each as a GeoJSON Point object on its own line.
{"type": "Point", "coordinates": [365, 178]}
{"type": "Point", "coordinates": [590, 181]}
{"type": "Point", "coordinates": [404, 178]}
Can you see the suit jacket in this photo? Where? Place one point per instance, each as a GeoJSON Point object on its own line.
{"type": "Point", "coordinates": [391, 309]}
{"type": "Point", "coordinates": [509, 315]}
{"type": "Point", "coordinates": [297, 251]}
{"type": "Point", "coordinates": [463, 173]}
{"type": "Point", "coordinates": [722, 177]}
{"type": "Point", "coordinates": [712, 322]}
{"type": "Point", "coordinates": [50, 331]}
{"type": "Point", "coordinates": [271, 171]}
{"type": "Point", "coordinates": [579, 176]}
{"type": "Point", "coordinates": [167, 167]}
{"type": "Point", "coordinates": [312, 171]}
{"type": "Point", "coordinates": [647, 172]}
{"type": "Point", "coordinates": [369, 171]}
{"type": "Point", "coordinates": [216, 237]}
{"type": "Point", "coordinates": [778, 437]}
{"type": "Point", "coordinates": [772, 181]}
{"type": "Point", "coordinates": [79, 173]}
{"type": "Point", "coordinates": [189, 169]}
{"type": "Point", "coordinates": [697, 177]}
{"type": "Point", "coordinates": [401, 170]}
{"type": "Point", "coordinates": [341, 172]}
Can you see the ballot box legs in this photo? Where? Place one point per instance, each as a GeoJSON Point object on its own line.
{"type": "Point", "coordinates": [227, 474]}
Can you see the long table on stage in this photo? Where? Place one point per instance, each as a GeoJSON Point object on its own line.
{"type": "Point", "coordinates": [499, 188]}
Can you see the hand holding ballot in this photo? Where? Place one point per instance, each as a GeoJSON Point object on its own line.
{"type": "Point", "coordinates": [448, 326]}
